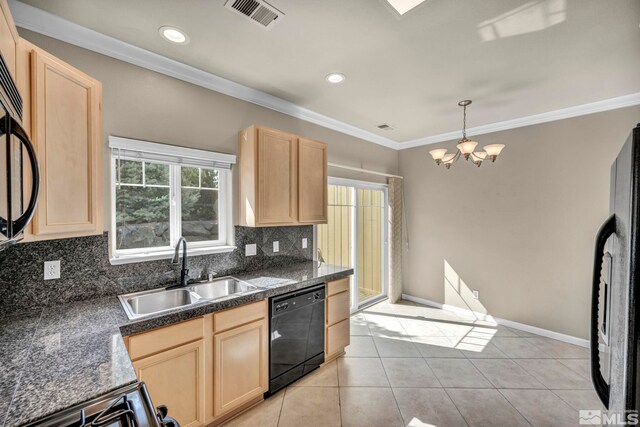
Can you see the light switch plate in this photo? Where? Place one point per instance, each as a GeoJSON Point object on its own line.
{"type": "Point", "coordinates": [51, 270]}
{"type": "Point", "coordinates": [476, 294]}
{"type": "Point", "coordinates": [250, 250]}
{"type": "Point", "coordinates": [304, 243]}
{"type": "Point", "coordinates": [276, 246]}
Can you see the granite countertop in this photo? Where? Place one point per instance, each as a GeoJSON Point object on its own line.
{"type": "Point", "coordinates": [57, 357]}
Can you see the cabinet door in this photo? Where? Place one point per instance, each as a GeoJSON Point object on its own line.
{"type": "Point", "coordinates": [8, 38]}
{"type": "Point", "coordinates": [67, 134]}
{"type": "Point", "coordinates": [312, 182]}
{"type": "Point", "coordinates": [240, 366]}
{"type": "Point", "coordinates": [176, 378]}
{"type": "Point", "coordinates": [277, 178]}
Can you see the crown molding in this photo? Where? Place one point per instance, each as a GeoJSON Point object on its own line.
{"type": "Point", "coordinates": [40, 21]}
{"type": "Point", "coordinates": [550, 116]}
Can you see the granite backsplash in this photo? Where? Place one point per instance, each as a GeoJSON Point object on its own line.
{"type": "Point", "coordinates": [85, 270]}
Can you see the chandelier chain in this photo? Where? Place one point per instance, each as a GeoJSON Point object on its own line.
{"type": "Point", "coordinates": [464, 122]}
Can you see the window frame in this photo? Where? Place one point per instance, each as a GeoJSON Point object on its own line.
{"type": "Point", "coordinates": [226, 240]}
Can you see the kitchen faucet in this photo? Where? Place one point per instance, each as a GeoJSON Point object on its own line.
{"type": "Point", "coordinates": [184, 273]}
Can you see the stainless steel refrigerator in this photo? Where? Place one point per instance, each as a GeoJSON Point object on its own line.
{"type": "Point", "coordinates": [614, 313]}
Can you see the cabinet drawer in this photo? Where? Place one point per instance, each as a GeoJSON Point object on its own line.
{"type": "Point", "coordinates": [165, 338]}
{"type": "Point", "coordinates": [337, 286]}
{"type": "Point", "coordinates": [337, 337]}
{"type": "Point", "coordinates": [239, 316]}
{"type": "Point", "coordinates": [337, 308]}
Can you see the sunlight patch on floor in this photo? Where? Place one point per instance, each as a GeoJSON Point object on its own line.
{"type": "Point", "coordinates": [417, 423]}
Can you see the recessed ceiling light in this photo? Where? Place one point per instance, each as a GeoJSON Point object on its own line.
{"type": "Point", "coordinates": [335, 78]}
{"type": "Point", "coordinates": [174, 35]}
{"type": "Point", "coordinates": [404, 6]}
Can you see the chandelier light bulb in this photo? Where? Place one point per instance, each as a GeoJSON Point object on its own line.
{"type": "Point", "coordinates": [466, 147]}
{"type": "Point", "coordinates": [438, 154]}
{"type": "Point", "coordinates": [493, 150]}
{"type": "Point", "coordinates": [448, 160]}
{"type": "Point", "coordinates": [478, 156]}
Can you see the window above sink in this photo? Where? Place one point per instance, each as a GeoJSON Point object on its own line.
{"type": "Point", "coordinates": [162, 192]}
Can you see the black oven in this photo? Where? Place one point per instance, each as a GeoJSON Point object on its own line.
{"type": "Point", "coordinates": [19, 174]}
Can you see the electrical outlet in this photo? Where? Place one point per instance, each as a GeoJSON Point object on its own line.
{"type": "Point", "coordinates": [476, 294]}
{"type": "Point", "coordinates": [250, 250]}
{"type": "Point", "coordinates": [276, 246]}
{"type": "Point", "coordinates": [51, 270]}
{"type": "Point", "coordinates": [304, 243]}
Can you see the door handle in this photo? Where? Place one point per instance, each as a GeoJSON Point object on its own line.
{"type": "Point", "coordinates": [600, 385]}
{"type": "Point", "coordinates": [22, 221]}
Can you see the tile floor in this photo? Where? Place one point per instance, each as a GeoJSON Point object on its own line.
{"type": "Point", "coordinates": [411, 365]}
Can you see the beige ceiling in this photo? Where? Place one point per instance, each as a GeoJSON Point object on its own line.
{"type": "Point", "coordinates": [514, 58]}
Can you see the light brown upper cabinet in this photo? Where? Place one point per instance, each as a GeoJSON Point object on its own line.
{"type": "Point", "coordinates": [66, 130]}
{"type": "Point", "coordinates": [276, 186]}
{"type": "Point", "coordinates": [312, 182]}
{"type": "Point", "coordinates": [8, 38]}
{"type": "Point", "coordinates": [283, 178]}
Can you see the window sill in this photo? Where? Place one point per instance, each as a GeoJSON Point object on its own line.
{"type": "Point", "coordinates": [154, 256]}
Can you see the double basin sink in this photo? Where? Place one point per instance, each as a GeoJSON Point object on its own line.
{"type": "Point", "coordinates": [147, 303]}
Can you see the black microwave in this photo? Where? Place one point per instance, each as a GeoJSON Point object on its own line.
{"type": "Point", "coordinates": [19, 173]}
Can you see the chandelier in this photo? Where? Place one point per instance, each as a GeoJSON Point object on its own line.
{"type": "Point", "coordinates": [466, 147]}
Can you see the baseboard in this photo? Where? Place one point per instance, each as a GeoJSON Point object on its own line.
{"type": "Point", "coordinates": [509, 323]}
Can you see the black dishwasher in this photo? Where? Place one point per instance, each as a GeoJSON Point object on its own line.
{"type": "Point", "coordinates": [297, 335]}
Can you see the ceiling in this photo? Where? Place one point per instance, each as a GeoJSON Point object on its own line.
{"type": "Point", "coordinates": [514, 58]}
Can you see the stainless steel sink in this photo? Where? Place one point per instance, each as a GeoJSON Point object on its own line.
{"type": "Point", "coordinates": [146, 303]}
{"type": "Point", "coordinates": [221, 288]}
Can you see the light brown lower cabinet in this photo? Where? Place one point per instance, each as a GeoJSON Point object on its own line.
{"type": "Point", "coordinates": [337, 339]}
{"type": "Point", "coordinates": [175, 378]}
{"type": "Point", "coordinates": [206, 370]}
{"type": "Point", "coordinates": [337, 320]}
{"type": "Point", "coordinates": [240, 366]}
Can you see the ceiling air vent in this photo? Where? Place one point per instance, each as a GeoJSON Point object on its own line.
{"type": "Point", "coordinates": [385, 126]}
{"type": "Point", "coordinates": [257, 11]}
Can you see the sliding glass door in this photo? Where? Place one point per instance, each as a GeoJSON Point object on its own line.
{"type": "Point", "coordinates": [356, 236]}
